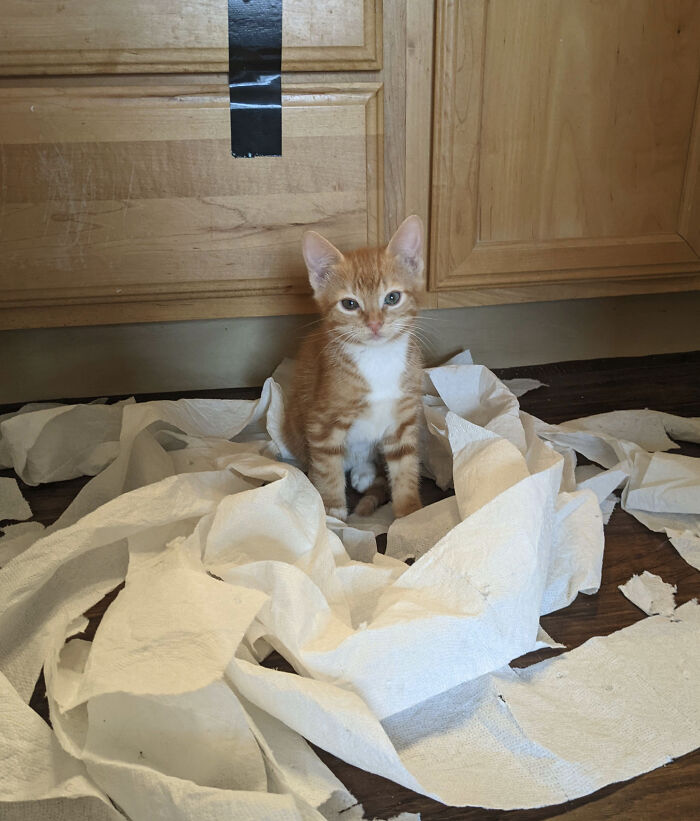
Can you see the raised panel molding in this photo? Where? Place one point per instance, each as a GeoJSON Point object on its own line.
{"type": "Point", "coordinates": [362, 56]}
{"type": "Point", "coordinates": [122, 203]}
{"type": "Point", "coordinates": [103, 37]}
{"type": "Point", "coordinates": [689, 215]}
{"type": "Point", "coordinates": [529, 250]}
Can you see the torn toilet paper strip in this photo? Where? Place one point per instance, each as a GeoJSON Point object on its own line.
{"type": "Point", "coordinates": [688, 546]}
{"type": "Point", "coordinates": [36, 768]}
{"type": "Point", "coordinates": [663, 494]}
{"type": "Point", "coordinates": [663, 489]}
{"type": "Point", "coordinates": [665, 483]}
{"type": "Point", "coordinates": [226, 553]}
{"type": "Point", "coordinates": [13, 506]}
{"type": "Point", "coordinates": [62, 442]}
{"type": "Point", "coordinates": [650, 593]}
{"type": "Point", "coordinates": [17, 538]}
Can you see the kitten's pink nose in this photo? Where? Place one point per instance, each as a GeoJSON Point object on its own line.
{"type": "Point", "coordinates": [375, 326]}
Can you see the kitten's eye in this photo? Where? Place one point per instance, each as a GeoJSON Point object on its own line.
{"type": "Point", "coordinates": [392, 298]}
{"type": "Point", "coordinates": [350, 304]}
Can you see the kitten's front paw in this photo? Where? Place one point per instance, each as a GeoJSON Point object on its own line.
{"type": "Point", "coordinates": [362, 476]}
{"type": "Point", "coordinates": [338, 512]}
{"type": "Point", "coordinates": [366, 506]}
{"type": "Point", "coordinates": [406, 506]}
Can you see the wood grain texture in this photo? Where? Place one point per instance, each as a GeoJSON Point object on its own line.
{"type": "Point", "coordinates": [666, 279]}
{"type": "Point", "coordinates": [128, 195]}
{"type": "Point", "coordinates": [558, 152]}
{"type": "Point", "coordinates": [407, 76]}
{"type": "Point", "coordinates": [669, 383]}
{"type": "Point", "coordinates": [99, 36]}
{"type": "Point", "coordinates": [592, 144]}
{"type": "Point", "coordinates": [396, 163]}
{"type": "Point", "coordinates": [689, 216]}
{"type": "Point", "coordinates": [256, 301]}
{"type": "Point", "coordinates": [121, 203]}
{"type": "Point", "coordinates": [459, 36]}
{"type": "Point", "coordinates": [420, 19]}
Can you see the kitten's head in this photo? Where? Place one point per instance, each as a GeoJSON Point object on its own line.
{"type": "Point", "coordinates": [368, 296]}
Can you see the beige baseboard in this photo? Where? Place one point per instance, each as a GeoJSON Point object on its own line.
{"type": "Point", "coordinates": [124, 359]}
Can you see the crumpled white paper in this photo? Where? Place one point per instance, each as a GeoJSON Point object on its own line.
{"type": "Point", "coordinates": [650, 593]}
{"type": "Point", "coordinates": [36, 769]}
{"type": "Point", "coordinates": [226, 553]}
{"type": "Point", "coordinates": [687, 543]}
{"type": "Point", "coordinates": [520, 386]}
{"type": "Point", "coordinates": [660, 490]}
{"type": "Point", "coordinates": [57, 442]}
{"type": "Point", "coordinates": [17, 538]}
{"type": "Point", "coordinates": [663, 494]}
{"type": "Point", "coordinates": [12, 504]}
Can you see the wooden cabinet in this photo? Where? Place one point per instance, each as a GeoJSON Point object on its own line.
{"type": "Point", "coordinates": [121, 201]}
{"type": "Point", "coordinates": [567, 148]}
{"type": "Point", "coordinates": [125, 201]}
{"type": "Point", "coordinates": [552, 147]}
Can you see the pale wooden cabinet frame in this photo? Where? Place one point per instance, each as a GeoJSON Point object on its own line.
{"type": "Point", "coordinates": [95, 243]}
{"type": "Point", "coordinates": [566, 149]}
{"type": "Point", "coordinates": [122, 203]}
{"type": "Point", "coordinates": [103, 36]}
{"type": "Point", "coordinates": [552, 147]}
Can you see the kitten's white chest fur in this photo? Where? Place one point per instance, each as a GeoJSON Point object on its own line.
{"type": "Point", "coordinates": [382, 367]}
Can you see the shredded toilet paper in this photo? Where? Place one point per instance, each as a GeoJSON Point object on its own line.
{"type": "Point", "coordinates": [225, 553]}
{"type": "Point", "coordinates": [650, 593]}
{"type": "Point", "coordinates": [660, 490]}
{"type": "Point", "coordinates": [12, 504]}
{"type": "Point", "coordinates": [16, 538]}
{"type": "Point", "coordinates": [60, 442]}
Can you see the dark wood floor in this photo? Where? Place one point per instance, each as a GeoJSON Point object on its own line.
{"type": "Point", "coordinates": [670, 383]}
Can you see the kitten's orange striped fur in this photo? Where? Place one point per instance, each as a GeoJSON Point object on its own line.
{"type": "Point", "coordinates": [355, 399]}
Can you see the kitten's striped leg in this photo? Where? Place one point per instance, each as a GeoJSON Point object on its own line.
{"type": "Point", "coordinates": [401, 453]}
{"type": "Point", "coordinates": [326, 466]}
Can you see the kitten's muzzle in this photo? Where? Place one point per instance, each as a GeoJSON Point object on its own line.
{"type": "Point", "coordinates": [375, 326]}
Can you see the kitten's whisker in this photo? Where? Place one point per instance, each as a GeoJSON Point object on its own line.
{"type": "Point", "coordinates": [422, 317]}
{"type": "Point", "coordinates": [309, 324]}
{"type": "Point", "coordinates": [415, 333]}
{"type": "Point", "coordinates": [423, 342]}
{"type": "Point", "coordinates": [315, 335]}
{"type": "Point", "coordinates": [338, 342]}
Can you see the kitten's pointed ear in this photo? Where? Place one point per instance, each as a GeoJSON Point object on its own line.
{"type": "Point", "coordinates": [407, 245]}
{"type": "Point", "coordinates": [319, 255]}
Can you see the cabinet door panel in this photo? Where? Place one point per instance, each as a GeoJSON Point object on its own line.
{"type": "Point", "coordinates": [565, 140]}
{"type": "Point", "coordinates": [102, 36]}
{"type": "Point", "coordinates": [128, 195]}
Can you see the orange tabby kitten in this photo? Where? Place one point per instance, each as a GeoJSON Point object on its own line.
{"type": "Point", "coordinates": [356, 390]}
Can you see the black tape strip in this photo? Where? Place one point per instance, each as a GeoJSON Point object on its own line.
{"type": "Point", "coordinates": [254, 77]}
